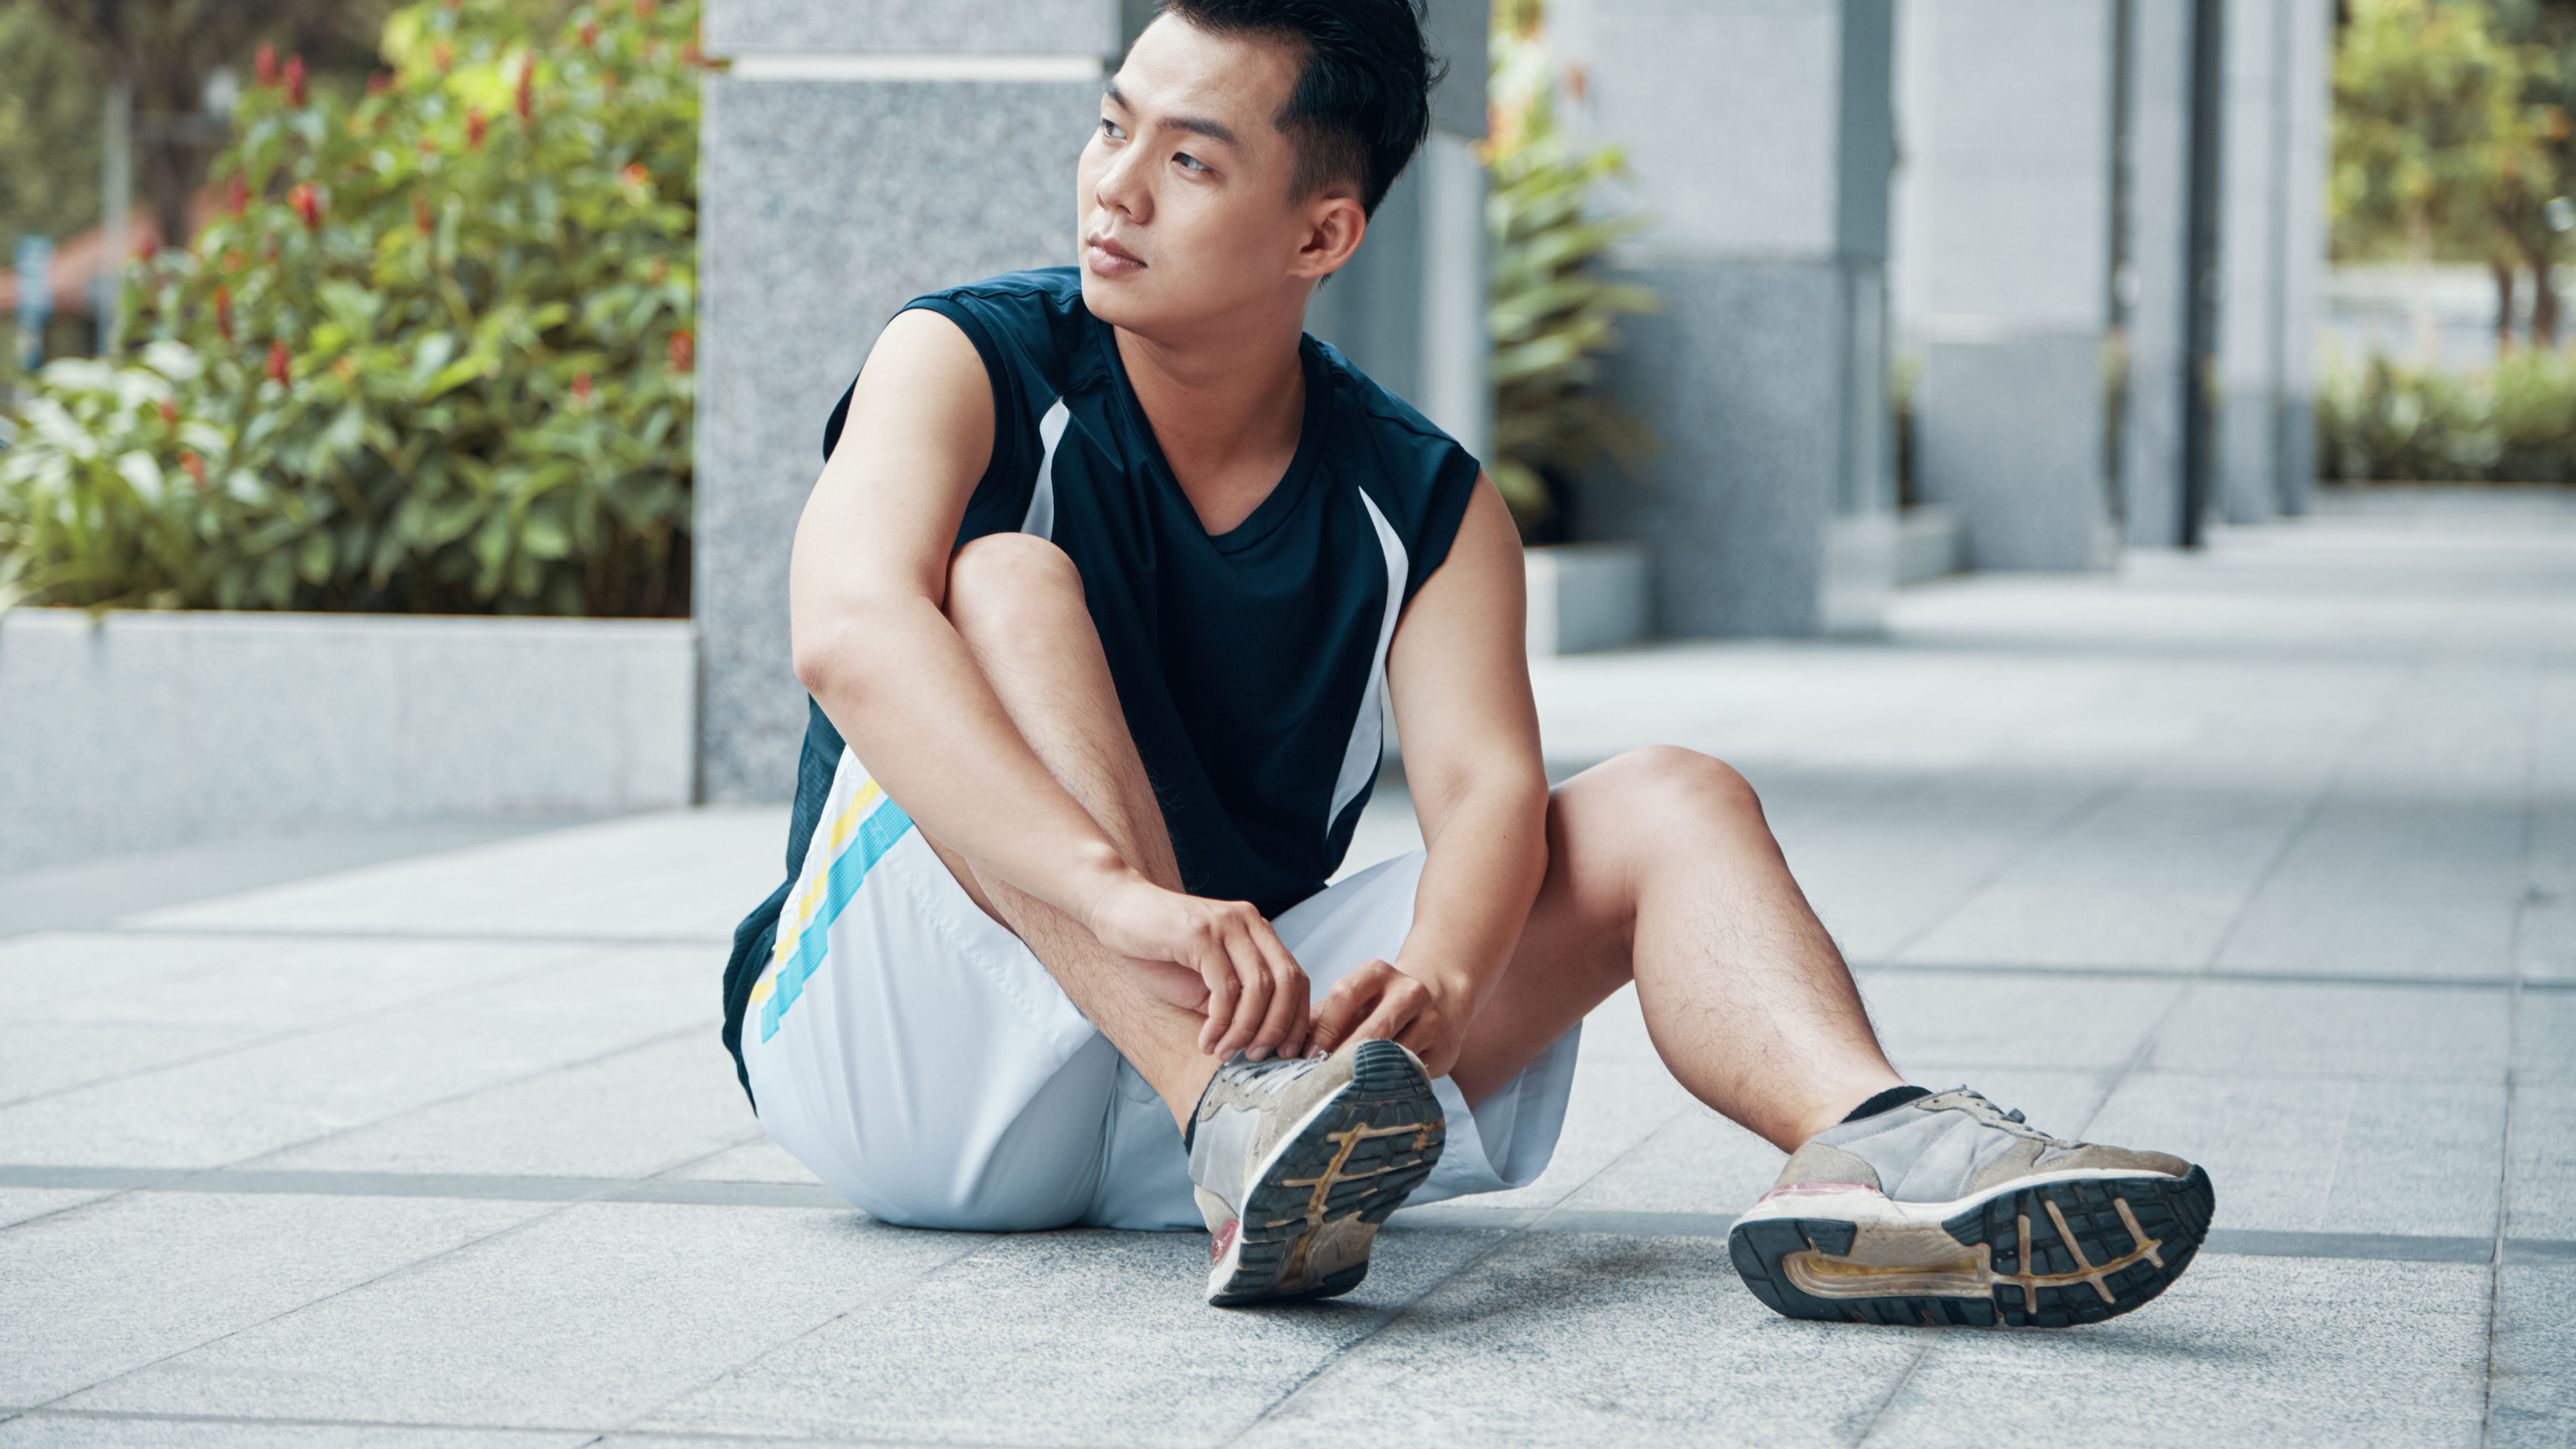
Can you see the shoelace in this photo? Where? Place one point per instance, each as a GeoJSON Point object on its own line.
{"type": "Point", "coordinates": [2014, 1116]}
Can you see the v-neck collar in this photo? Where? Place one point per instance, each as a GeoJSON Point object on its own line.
{"type": "Point", "coordinates": [1282, 499]}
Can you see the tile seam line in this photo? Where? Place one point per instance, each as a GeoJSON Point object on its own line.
{"type": "Point", "coordinates": [2512, 1053]}
{"type": "Point", "coordinates": [555, 1210]}
{"type": "Point", "coordinates": [679, 1436]}
{"type": "Point", "coordinates": [901, 1288]}
{"type": "Point", "coordinates": [1895, 1391]}
{"type": "Point", "coordinates": [2290, 839]}
{"type": "Point", "coordinates": [308, 1029]}
{"type": "Point", "coordinates": [175, 1175]}
{"type": "Point", "coordinates": [1509, 1234]}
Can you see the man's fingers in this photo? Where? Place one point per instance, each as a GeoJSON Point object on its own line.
{"type": "Point", "coordinates": [1222, 992]}
{"type": "Point", "coordinates": [1286, 1019]}
{"type": "Point", "coordinates": [1344, 1007]}
{"type": "Point", "coordinates": [1253, 1004]}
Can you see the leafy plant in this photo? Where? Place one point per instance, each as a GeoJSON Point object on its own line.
{"type": "Point", "coordinates": [2384, 422]}
{"type": "Point", "coordinates": [1550, 315]}
{"type": "Point", "coordinates": [434, 354]}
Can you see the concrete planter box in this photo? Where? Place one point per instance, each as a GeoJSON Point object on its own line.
{"type": "Point", "coordinates": [1585, 596]}
{"type": "Point", "coordinates": [150, 729]}
{"type": "Point", "coordinates": [1930, 544]}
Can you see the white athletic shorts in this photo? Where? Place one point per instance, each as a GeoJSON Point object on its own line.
{"type": "Point", "coordinates": [916, 1056]}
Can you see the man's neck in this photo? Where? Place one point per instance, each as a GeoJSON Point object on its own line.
{"type": "Point", "coordinates": [1226, 411]}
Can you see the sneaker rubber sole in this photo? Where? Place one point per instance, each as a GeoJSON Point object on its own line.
{"type": "Point", "coordinates": [2045, 1252]}
{"type": "Point", "coordinates": [1316, 1202]}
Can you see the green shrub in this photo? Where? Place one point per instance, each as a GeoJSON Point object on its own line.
{"type": "Point", "coordinates": [434, 354]}
{"type": "Point", "coordinates": [2384, 422]}
{"type": "Point", "coordinates": [1549, 314]}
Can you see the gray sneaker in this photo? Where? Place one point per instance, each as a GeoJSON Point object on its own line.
{"type": "Point", "coordinates": [1947, 1209]}
{"type": "Point", "coordinates": [1298, 1160]}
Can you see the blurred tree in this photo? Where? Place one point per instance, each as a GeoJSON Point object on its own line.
{"type": "Point", "coordinates": [165, 50]}
{"type": "Point", "coordinates": [1549, 313]}
{"type": "Point", "coordinates": [2442, 136]}
{"type": "Point", "coordinates": [2545, 31]}
{"type": "Point", "coordinates": [49, 124]}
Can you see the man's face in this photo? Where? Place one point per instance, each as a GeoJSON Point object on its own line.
{"type": "Point", "coordinates": [1183, 196]}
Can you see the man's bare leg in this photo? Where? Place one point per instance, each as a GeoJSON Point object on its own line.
{"type": "Point", "coordinates": [1017, 602]}
{"type": "Point", "coordinates": [1662, 870]}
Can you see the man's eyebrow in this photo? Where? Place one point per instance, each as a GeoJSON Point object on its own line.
{"type": "Point", "coordinates": [1196, 125]}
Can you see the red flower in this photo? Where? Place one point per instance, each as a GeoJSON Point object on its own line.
{"type": "Point", "coordinates": [224, 312]}
{"type": "Point", "coordinates": [528, 90]}
{"type": "Point", "coordinates": [169, 413]}
{"type": "Point", "coordinates": [297, 90]}
{"type": "Point", "coordinates": [684, 349]}
{"type": "Point", "coordinates": [265, 67]}
{"type": "Point", "coordinates": [637, 181]}
{"type": "Point", "coordinates": [691, 56]}
{"type": "Point", "coordinates": [239, 198]}
{"type": "Point", "coordinates": [379, 83]}
{"type": "Point", "coordinates": [420, 218]}
{"type": "Point", "coordinates": [643, 9]}
{"type": "Point", "coordinates": [589, 33]}
{"type": "Point", "coordinates": [581, 387]}
{"type": "Point", "coordinates": [230, 261]}
{"type": "Point", "coordinates": [195, 465]}
{"type": "Point", "coordinates": [475, 126]}
{"type": "Point", "coordinates": [277, 363]}
{"type": "Point", "coordinates": [442, 57]}
{"type": "Point", "coordinates": [307, 205]}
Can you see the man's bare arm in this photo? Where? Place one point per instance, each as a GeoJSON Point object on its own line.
{"type": "Point", "coordinates": [1459, 675]}
{"type": "Point", "coordinates": [867, 590]}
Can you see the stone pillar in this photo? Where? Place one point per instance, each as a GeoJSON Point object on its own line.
{"type": "Point", "coordinates": [2278, 56]}
{"type": "Point", "coordinates": [1759, 141]}
{"type": "Point", "coordinates": [2004, 269]}
{"type": "Point", "coordinates": [853, 157]}
{"type": "Point", "coordinates": [2152, 289]}
{"type": "Point", "coordinates": [1409, 306]}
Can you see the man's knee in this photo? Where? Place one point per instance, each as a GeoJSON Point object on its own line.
{"type": "Point", "coordinates": [1658, 781]}
{"type": "Point", "coordinates": [1012, 585]}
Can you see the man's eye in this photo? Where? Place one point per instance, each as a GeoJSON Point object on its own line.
{"type": "Point", "coordinates": [1186, 159]}
{"type": "Point", "coordinates": [1109, 128]}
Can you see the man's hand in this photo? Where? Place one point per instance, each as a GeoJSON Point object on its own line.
{"type": "Point", "coordinates": [1256, 994]}
{"type": "Point", "coordinates": [1378, 1002]}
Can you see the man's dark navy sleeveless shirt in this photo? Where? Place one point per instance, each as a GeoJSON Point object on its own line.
{"type": "Point", "coordinates": [1250, 664]}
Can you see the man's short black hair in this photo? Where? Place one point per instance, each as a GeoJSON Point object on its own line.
{"type": "Point", "coordinates": [1362, 104]}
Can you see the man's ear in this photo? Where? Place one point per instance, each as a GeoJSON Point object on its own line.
{"type": "Point", "coordinates": [1334, 226]}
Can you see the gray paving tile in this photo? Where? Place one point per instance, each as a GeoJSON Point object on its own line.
{"type": "Point", "coordinates": [588, 1317]}
{"type": "Point", "coordinates": [1933, 1021]}
{"type": "Point", "coordinates": [2405, 886]}
{"type": "Point", "coordinates": [260, 983]}
{"type": "Point", "coordinates": [18, 1204]}
{"type": "Point", "coordinates": [632, 1114]}
{"type": "Point", "coordinates": [2415, 1033]}
{"type": "Point", "coordinates": [275, 1095]}
{"type": "Point", "coordinates": [36, 970]}
{"type": "Point", "coordinates": [2240, 1351]}
{"type": "Point", "coordinates": [987, 1350]}
{"type": "Point", "coordinates": [1584, 1340]}
{"type": "Point", "coordinates": [39, 1057]}
{"type": "Point", "coordinates": [2540, 1181]}
{"type": "Point", "coordinates": [73, 1431]}
{"type": "Point", "coordinates": [2545, 937]}
{"type": "Point", "coordinates": [2153, 879]}
{"type": "Point", "coordinates": [685, 874]}
{"type": "Point", "coordinates": [2325, 1154]}
{"type": "Point", "coordinates": [2544, 1036]}
{"type": "Point", "coordinates": [2532, 1399]}
{"type": "Point", "coordinates": [95, 1293]}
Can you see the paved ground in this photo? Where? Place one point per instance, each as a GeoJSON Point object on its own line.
{"type": "Point", "coordinates": [2267, 857]}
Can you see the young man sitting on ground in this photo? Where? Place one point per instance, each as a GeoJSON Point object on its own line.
{"type": "Point", "coordinates": [1103, 580]}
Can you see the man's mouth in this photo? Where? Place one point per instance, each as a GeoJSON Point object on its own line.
{"type": "Point", "coordinates": [1107, 258]}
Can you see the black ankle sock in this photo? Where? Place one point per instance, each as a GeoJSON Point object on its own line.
{"type": "Point", "coordinates": [1892, 1097]}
